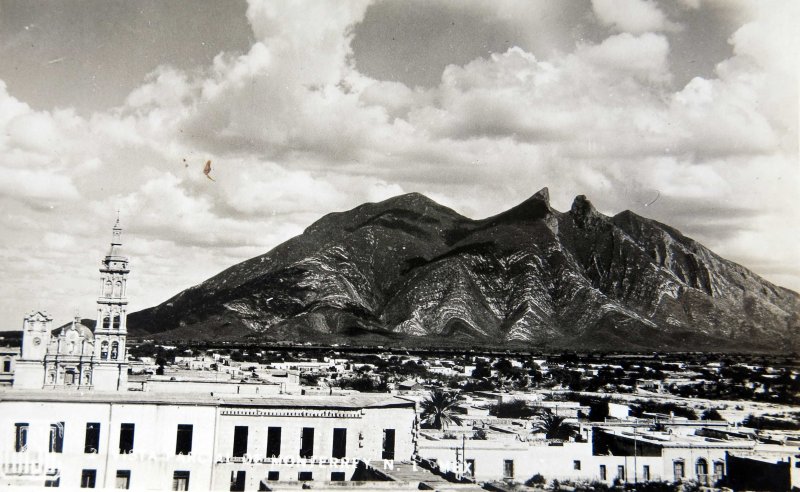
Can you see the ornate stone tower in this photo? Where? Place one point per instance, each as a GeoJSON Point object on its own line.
{"type": "Point", "coordinates": [29, 369]}
{"type": "Point", "coordinates": [110, 333]}
{"type": "Point", "coordinates": [36, 328]}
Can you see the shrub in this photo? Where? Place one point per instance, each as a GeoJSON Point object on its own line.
{"type": "Point", "coordinates": [514, 409]}
{"type": "Point", "coordinates": [662, 407]}
{"type": "Point", "coordinates": [767, 423]}
{"type": "Point", "coordinates": [537, 479]}
{"type": "Point", "coordinates": [711, 414]}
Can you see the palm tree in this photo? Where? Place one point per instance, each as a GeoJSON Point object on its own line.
{"type": "Point", "coordinates": [438, 409]}
{"type": "Point", "coordinates": [553, 426]}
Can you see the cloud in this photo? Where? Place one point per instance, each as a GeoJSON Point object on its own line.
{"type": "Point", "coordinates": [634, 16]}
{"type": "Point", "coordinates": [37, 187]}
{"type": "Point", "coordinates": [644, 55]}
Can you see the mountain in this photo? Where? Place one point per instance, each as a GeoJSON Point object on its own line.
{"type": "Point", "coordinates": [408, 270]}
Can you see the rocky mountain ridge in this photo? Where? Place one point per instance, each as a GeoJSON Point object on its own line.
{"type": "Point", "coordinates": [532, 276]}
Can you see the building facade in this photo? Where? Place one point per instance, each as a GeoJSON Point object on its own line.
{"type": "Point", "coordinates": [147, 441]}
{"type": "Point", "coordinates": [77, 357]}
{"type": "Point", "coordinates": [8, 360]}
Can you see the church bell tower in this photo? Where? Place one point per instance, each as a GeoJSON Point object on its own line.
{"type": "Point", "coordinates": [111, 368]}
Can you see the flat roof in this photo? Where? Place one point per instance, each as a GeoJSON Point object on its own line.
{"type": "Point", "coordinates": [350, 402]}
{"type": "Point", "coordinates": [675, 440]}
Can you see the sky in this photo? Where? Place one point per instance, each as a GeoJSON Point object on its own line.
{"type": "Point", "coordinates": [684, 111]}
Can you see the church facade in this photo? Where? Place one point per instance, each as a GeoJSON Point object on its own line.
{"type": "Point", "coordinates": [74, 356]}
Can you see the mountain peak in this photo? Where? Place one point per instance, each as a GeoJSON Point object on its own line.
{"type": "Point", "coordinates": [534, 208]}
{"type": "Point", "coordinates": [542, 195]}
{"type": "Point", "coordinates": [582, 208]}
{"type": "Point", "coordinates": [411, 199]}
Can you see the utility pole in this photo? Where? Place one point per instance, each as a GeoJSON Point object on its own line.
{"type": "Point", "coordinates": [635, 466]}
{"type": "Point", "coordinates": [463, 453]}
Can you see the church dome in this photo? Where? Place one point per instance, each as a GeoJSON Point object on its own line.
{"type": "Point", "coordinates": [81, 329]}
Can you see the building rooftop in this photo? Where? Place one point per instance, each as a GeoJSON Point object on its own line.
{"type": "Point", "coordinates": [349, 402]}
{"type": "Point", "coordinates": [675, 440]}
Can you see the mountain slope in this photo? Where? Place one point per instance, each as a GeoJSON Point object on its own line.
{"type": "Point", "coordinates": [409, 267]}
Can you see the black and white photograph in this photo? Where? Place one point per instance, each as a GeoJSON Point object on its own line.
{"type": "Point", "coordinates": [396, 245]}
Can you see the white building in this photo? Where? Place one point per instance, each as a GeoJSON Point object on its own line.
{"type": "Point", "coordinates": [192, 442]}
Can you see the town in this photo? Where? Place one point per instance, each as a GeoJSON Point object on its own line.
{"type": "Point", "coordinates": [499, 420]}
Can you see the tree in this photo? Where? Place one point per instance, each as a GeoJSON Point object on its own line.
{"type": "Point", "coordinates": [481, 370]}
{"type": "Point", "coordinates": [514, 409]}
{"type": "Point", "coordinates": [553, 426]}
{"type": "Point", "coordinates": [504, 367]}
{"type": "Point", "coordinates": [598, 410]}
{"type": "Point", "coordinates": [438, 409]}
{"type": "Point", "coordinates": [711, 414]}
{"type": "Point", "coordinates": [363, 384]}
{"type": "Point", "coordinates": [309, 379]}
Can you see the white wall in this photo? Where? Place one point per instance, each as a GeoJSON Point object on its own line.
{"type": "Point", "coordinates": [153, 460]}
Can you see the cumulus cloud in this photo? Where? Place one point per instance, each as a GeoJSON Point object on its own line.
{"type": "Point", "coordinates": [644, 55]}
{"type": "Point", "coordinates": [39, 188]}
{"type": "Point", "coordinates": [634, 16]}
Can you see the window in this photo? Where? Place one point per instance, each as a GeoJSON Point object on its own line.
{"type": "Point", "coordinates": [240, 441]}
{"type": "Point", "coordinates": [53, 482]}
{"type": "Point", "coordinates": [115, 321]}
{"type": "Point", "coordinates": [701, 468]}
{"type": "Point", "coordinates": [6, 365]}
{"type": "Point", "coordinates": [719, 468]}
{"type": "Point", "coordinates": [21, 437]}
{"type": "Point", "coordinates": [576, 464]}
{"type": "Point", "coordinates": [123, 479]}
{"type": "Point", "coordinates": [470, 468]}
{"type": "Point", "coordinates": [126, 438]}
{"type": "Point", "coordinates": [114, 350]}
{"type": "Point", "coordinates": [337, 477]}
{"type": "Point", "coordinates": [91, 443]}
{"type": "Point", "coordinates": [56, 444]}
{"type": "Point", "coordinates": [339, 443]}
{"type": "Point", "coordinates": [677, 468]}
{"type": "Point", "coordinates": [87, 479]}
{"type": "Point", "coordinates": [180, 480]}
{"type": "Point", "coordinates": [388, 444]}
{"type": "Point", "coordinates": [104, 350]}
{"type": "Point", "coordinates": [603, 472]}
{"type": "Point", "coordinates": [508, 468]}
{"type": "Point", "coordinates": [237, 480]}
{"type": "Point", "coordinates": [646, 472]}
{"type": "Point", "coordinates": [621, 472]}
{"type": "Point", "coordinates": [305, 476]}
{"type": "Point", "coordinates": [273, 476]}
{"type": "Point", "coordinates": [273, 442]}
{"type": "Point", "coordinates": [183, 440]}
{"type": "Point", "coordinates": [307, 442]}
